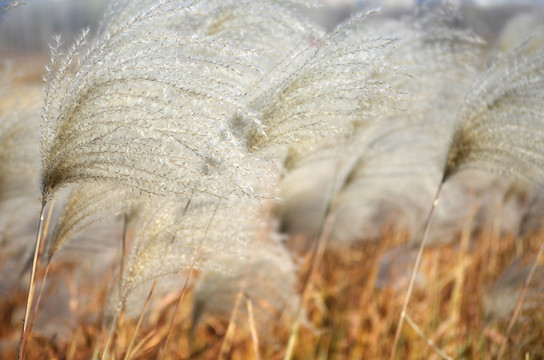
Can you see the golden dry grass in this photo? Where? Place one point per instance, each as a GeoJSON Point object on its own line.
{"type": "Point", "coordinates": [349, 317]}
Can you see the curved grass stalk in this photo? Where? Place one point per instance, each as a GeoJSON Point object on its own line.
{"type": "Point", "coordinates": [121, 306]}
{"type": "Point", "coordinates": [225, 346]}
{"type": "Point", "coordinates": [415, 268]}
{"type": "Point", "coordinates": [147, 301]}
{"type": "Point", "coordinates": [319, 251]}
{"type": "Point", "coordinates": [31, 287]}
{"type": "Point", "coordinates": [123, 250]}
{"type": "Point", "coordinates": [140, 320]}
{"type": "Point", "coordinates": [13, 5]}
{"type": "Point", "coordinates": [45, 231]}
{"type": "Point", "coordinates": [520, 302]}
{"type": "Point", "coordinates": [428, 341]}
{"type": "Point", "coordinates": [40, 241]}
{"type": "Point", "coordinates": [253, 328]}
{"type": "Point", "coordinates": [185, 286]}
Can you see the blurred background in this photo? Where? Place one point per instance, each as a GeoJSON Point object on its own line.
{"type": "Point", "coordinates": [29, 28]}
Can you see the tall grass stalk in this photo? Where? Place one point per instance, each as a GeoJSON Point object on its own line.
{"type": "Point", "coordinates": [128, 352]}
{"type": "Point", "coordinates": [520, 301]}
{"type": "Point", "coordinates": [460, 271]}
{"type": "Point", "coordinates": [123, 250]}
{"type": "Point", "coordinates": [13, 5]}
{"type": "Point", "coordinates": [317, 255]}
{"type": "Point", "coordinates": [253, 328]}
{"type": "Point", "coordinates": [31, 286]}
{"type": "Point", "coordinates": [429, 342]}
{"type": "Point", "coordinates": [148, 299]}
{"type": "Point", "coordinates": [186, 284]}
{"type": "Point", "coordinates": [229, 334]}
{"type": "Point", "coordinates": [150, 294]}
{"type": "Point", "coordinates": [318, 252]}
{"type": "Point", "coordinates": [415, 268]}
{"type": "Point", "coordinates": [44, 280]}
{"type": "Point", "coordinates": [111, 332]}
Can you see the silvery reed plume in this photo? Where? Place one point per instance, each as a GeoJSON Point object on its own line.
{"type": "Point", "coordinates": [19, 164]}
{"type": "Point", "coordinates": [498, 128]}
{"type": "Point", "coordinates": [525, 26]}
{"type": "Point", "coordinates": [89, 204]}
{"type": "Point", "coordinates": [19, 134]}
{"type": "Point", "coordinates": [393, 156]}
{"type": "Point", "coordinates": [116, 111]}
{"type": "Point", "coordinates": [170, 235]}
{"type": "Point", "coordinates": [93, 106]}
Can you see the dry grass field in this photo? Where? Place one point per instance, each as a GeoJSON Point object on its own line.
{"type": "Point", "coordinates": [348, 317]}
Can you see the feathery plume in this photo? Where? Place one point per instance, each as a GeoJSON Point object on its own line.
{"type": "Point", "coordinates": [87, 205]}
{"type": "Point", "coordinates": [19, 151]}
{"type": "Point", "coordinates": [146, 106]}
{"type": "Point", "coordinates": [171, 233]}
{"type": "Point", "coordinates": [498, 128]}
{"type": "Point", "coordinates": [324, 89]}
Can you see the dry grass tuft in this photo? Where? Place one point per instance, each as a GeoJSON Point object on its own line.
{"type": "Point", "coordinates": [348, 316]}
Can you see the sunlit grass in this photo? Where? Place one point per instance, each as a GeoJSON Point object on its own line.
{"type": "Point", "coordinates": [348, 317]}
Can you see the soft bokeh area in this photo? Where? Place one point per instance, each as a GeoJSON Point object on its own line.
{"type": "Point", "coordinates": [271, 179]}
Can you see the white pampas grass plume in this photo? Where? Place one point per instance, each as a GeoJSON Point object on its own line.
{"type": "Point", "coordinates": [526, 26]}
{"type": "Point", "coordinates": [19, 137]}
{"type": "Point", "coordinates": [146, 106]}
{"type": "Point", "coordinates": [89, 204]}
{"type": "Point", "coordinates": [172, 233]}
{"type": "Point", "coordinates": [325, 88]}
{"type": "Point", "coordinates": [499, 127]}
